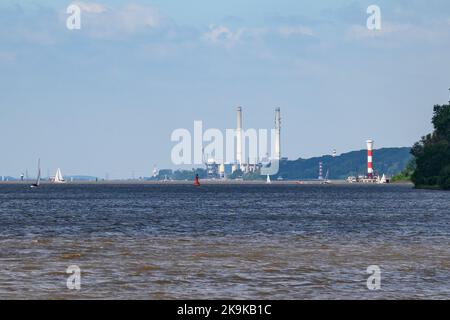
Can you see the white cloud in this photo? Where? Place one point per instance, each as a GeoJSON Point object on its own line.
{"type": "Point", "coordinates": [90, 7]}
{"type": "Point", "coordinates": [400, 34]}
{"type": "Point", "coordinates": [127, 20]}
{"type": "Point", "coordinates": [360, 32]}
{"type": "Point", "coordinates": [288, 31]}
{"type": "Point", "coordinates": [135, 17]}
{"type": "Point", "coordinates": [223, 35]}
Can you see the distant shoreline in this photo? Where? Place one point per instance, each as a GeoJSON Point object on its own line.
{"type": "Point", "coordinates": [206, 182]}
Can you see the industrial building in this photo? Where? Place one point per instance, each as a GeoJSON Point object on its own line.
{"type": "Point", "coordinates": [216, 170]}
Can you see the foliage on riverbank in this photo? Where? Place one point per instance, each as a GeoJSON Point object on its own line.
{"type": "Point", "coordinates": [405, 175]}
{"type": "Point", "coordinates": [432, 153]}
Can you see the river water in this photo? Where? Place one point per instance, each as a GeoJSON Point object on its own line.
{"type": "Point", "coordinates": [224, 241]}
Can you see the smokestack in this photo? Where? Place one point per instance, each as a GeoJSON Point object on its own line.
{"type": "Point", "coordinates": [277, 134]}
{"type": "Point", "coordinates": [239, 136]}
{"type": "Point", "coordinates": [369, 158]}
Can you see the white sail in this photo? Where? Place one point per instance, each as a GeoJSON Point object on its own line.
{"type": "Point", "coordinates": [59, 177]}
{"type": "Point", "coordinates": [38, 180]}
{"type": "Point", "coordinates": [268, 179]}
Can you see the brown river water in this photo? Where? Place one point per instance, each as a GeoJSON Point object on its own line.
{"type": "Point", "coordinates": [224, 241]}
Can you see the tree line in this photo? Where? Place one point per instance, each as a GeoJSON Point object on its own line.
{"type": "Point", "coordinates": [431, 163]}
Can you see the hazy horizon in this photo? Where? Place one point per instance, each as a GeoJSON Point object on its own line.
{"type": "Point", "coordinates": [49, 173]}
{"type": "Point", "coordinates": [106, 98]}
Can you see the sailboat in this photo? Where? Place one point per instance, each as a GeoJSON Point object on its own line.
{"type": "Point", "coordinates": [383, 179]}
{"type": "Point", "coordinates": [327, 181]}
{"type": "Point", "coordinates": [59, 177]}
{"type": "Point", "coordinates": [38, 179]}
{"type": "Point", "coordinates": [268, 179]}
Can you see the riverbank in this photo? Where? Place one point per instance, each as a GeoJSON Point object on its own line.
{"type": "Point", "coordinates": [206, 182]}
{"type": "Point", "coordinates": [425, 187]}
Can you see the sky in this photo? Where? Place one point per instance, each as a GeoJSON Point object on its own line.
{"type": "Point", "coordinates": [105, 99]}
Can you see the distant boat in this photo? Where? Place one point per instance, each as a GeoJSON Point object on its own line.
{"type": "Point", "coordinates": [327, 181]}
{"type": "Point", "coordinates": [38, 179]}
{"type": "Point", "coordinates": [383, 179]}
{"type": "Point", "coordinates": [196, 181]}
{"type": "Point", "coordinates": [268, 179]}
{"type": "Point", "coordinates": [59, 177]}
{"type": "Point", "coordinates": [352, 179]}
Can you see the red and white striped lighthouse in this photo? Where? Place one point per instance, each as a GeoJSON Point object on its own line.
{"type": "Point", "coordinates": [369, 159]}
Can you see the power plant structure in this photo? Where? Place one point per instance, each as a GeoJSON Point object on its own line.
{"type": "Point", "coordinates": [215, 169]}
{"type": "Point", "coordinates": [239, 136]}
{"type": "Point", "coordinates": [277, 152]}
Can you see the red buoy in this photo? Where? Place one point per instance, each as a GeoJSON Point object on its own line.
{"type": "Point", "coordinates": [196, 182]}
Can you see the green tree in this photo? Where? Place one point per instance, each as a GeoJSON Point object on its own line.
{"type": "Point", "coordinates": [407, 173]}
{"type": "Point", "coordinates": [432, 152]}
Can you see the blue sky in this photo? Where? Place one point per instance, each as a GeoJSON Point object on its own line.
{"type": "Point", "coordinates": [105, 99]}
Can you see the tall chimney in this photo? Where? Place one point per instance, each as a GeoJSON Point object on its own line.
{"type": "Point", "coordinates": [369, 158]}
{"type": "Point", "coordinates": [239, 137]}
{"type": "Point", "coordinates": [277, 134]}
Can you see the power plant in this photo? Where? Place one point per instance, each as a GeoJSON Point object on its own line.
{"type": "Point", "coordinates": [242, 164]}
{"type": "Point", "coordinates": [217, 169]}
{"type": "Point", "coordinates": [239, 159]}
{"type": "Point", "coordinates": [277, 152]}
